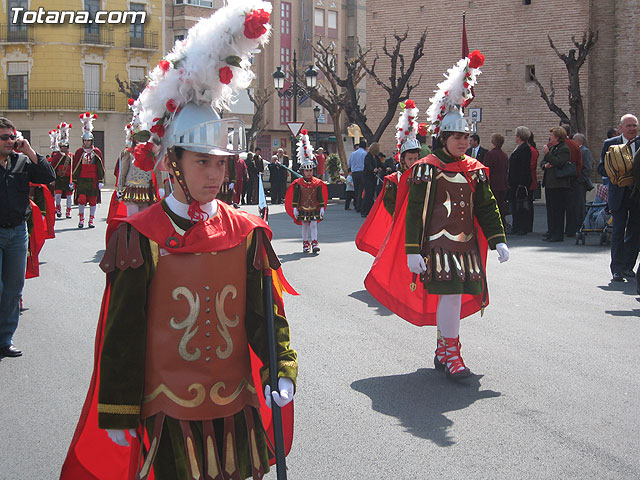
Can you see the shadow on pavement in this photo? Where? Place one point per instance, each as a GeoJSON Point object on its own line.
{"type": "Point", "coordinates": [624, 313]}
{"type": "Point", "coordinates": [421, 399]}
{"type": "Point", "coordinates": [626, 287]}
{"type": "Point", "coordinates": [292, 257]}
{"type": "Point", "coordinates": [365, 297]}
{"type": "Point", "coordinates": [97, 257]}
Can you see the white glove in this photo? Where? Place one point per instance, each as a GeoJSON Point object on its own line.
{"type": "Point", "coordinates": [416, 264]}
{"type": "Point", "coordinates": [119, 438]}
{"type": "Point", "coordinates": [119, 195]}
{"type": "Point", "coordinates": [285, 396]}
{"type": "Point", "coordinates": [295, 212]}
{"type": "Point", "coordinates": [322, 211]}
{"type": "Point", "coordinates": [503, 252]}
{"type": "Point", "coordinates": [231, 185]}
{"type": "Point", "coordinates": [100, 185]}
{"type": "Point", "coordinates": [71, 186]}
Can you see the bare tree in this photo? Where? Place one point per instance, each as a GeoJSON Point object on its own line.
{"type": "Point", "coordinates": [129, 88]}
{"type": "Point", "coordinates": [259, 98]}
{"type": "Point", "coordinates": [331, 93]}
{"type": "Point", "coordinates": [398, 87]}
{"type": "Point", "coordinates": [573, 62]}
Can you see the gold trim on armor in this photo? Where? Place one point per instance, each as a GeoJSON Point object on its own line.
{"type": "Point", "coordinates": [188, 323]}
{"type": "Point", "coordinates": [212, 464]}
{"type": "Point", "coordinates": [193, 460]}
{"type": "Point", "coordinates": [461, 237]}
{"type": "Point", "coordinates": [118, 409]}
{"type": "Point", "coordinates": [495, 236]}
{"type": "Point", "coordinates": [200, 395]}
{"type": "Point", "coordinates": [155, 253]}
{"type": "Point", "coordinates": [447, 205]}
{"type": "Point", "coordinates": [457, 178]}
{"type": "Point", "coordinates": [254, 449]}
{"type": "Point", "coordinates": [218, 399]}
{"type": "Point", "coordinates": [230, 462]}
{"type": "Point", "coordinates": [147, 463]}
{"type": "Point", "coordinates": [224, 322]}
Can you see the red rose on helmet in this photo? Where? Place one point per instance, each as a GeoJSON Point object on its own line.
{"type": "Point", "coordinates": [158, 130]}
{"type": "Point", "coordinates": [143, 155]}
{"type": "Point", "coordinates": [130, 101]}
{"type": "Point", "coordinates": [171, 105]}
{"type": "Point", "coordinates": [226, 75]}
{"type": "Point", "coordinates": [164, 65]}
{"type": "Point", "coordinates": [304, 132]}
{"type": "Point", "coordinates": [476, 59]}
{"type": "Point", "coordinates": [254, 23]}
{"type": "Point", "coordinates": [410, 104]}
{"type": "Point", "coordinates": [422, 129]}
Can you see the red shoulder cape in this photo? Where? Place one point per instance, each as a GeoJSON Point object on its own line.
{"type": "Point", "coordinates": [92, 455]}
{"type": "Point", "coordinates": [376, 227]}
{"type": "Point", "coordinates": [288, 198]}
{"type": "Point", "coordinates": [389, 278]}
{"type": "Point", "coordinates": [36, 240]}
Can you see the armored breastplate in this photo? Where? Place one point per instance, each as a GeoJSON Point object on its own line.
{"type": "Point", "coordinates": [137, 177]}
{"type": "Point", "coordinates": [451, 223]}
{"type": "Point", "coordinates": [197, 356]}
{"type": "Point", "coordinates": [308, 197]}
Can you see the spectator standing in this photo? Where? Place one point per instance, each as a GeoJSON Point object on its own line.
{"type": "Point", "coordinates": [349, 192]}
{"type": "Point", "coordinates": [519, 180]}
{"type": "Point", "coordinates": [475, 150]}
{"type": "Point", "coordinates": [498, 163]}
{"type": "Point", "coordinates": [321, 159]}
{"type": "Point", "coordinates": [625, 235]}
{"type": "Point", "coordinates": [556, 155]}
{"type": "Point", "coordinates": [584, 183]}
{"type": "Point", "coordinates": [369, 178]}
{"type": "Point", "coordinates": [576, 158]}
{"type": "Point", "coordinates": [380, 174]}
{"type": "Point", "coordinates": [277, 176]}
{"type": "Point", "coordinates": [242, 179]}
{"type": "Point", "coordinates": [356, 166]}
{"type": "Point", "coordinates": [19, 165]}
{"type": "Point", "coordinates": [534, 179]}
{"type": "Point", "coordinates": [252, 175]}
{"type": "Point", "coordinates": [283, 160]}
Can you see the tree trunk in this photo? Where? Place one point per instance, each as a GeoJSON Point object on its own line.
{"type": "Point", "coordinates": [337, 131]}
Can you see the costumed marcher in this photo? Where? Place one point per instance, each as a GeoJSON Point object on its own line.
{"type": "Point", "coordinates": [306, 197]}
{"type": "Point", "coordinates": [88, 171]}
{"type": "Point", "coordinates": [136, 187]}
{"type": "Point", "coordinates": [242, 178]}
{"type": "Point", "coordinates": [378, 223]}
{"type": "Point", "coordinates": [62, 161]}
{"type": "Point", "coordinates": [176, 384]}
{"type": "Point", "coordinates": [227, 191]}
{"type": "Point", "coordinates": [446, 217]}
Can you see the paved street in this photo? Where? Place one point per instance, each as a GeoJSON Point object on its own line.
{"type": "Point", "coordinates": [556, 395]}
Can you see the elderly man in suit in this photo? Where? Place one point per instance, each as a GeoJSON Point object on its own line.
{"type": "Point", "coordinates": [625, 236]}
{"type": "Point", "coordinates": [476, 151]}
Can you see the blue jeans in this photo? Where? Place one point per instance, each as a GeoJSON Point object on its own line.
{"type": "Point", "coordinates": [13, 265]}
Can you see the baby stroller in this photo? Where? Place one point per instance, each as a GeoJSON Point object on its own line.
{"type": "Point", "coordinates": [598, 218]}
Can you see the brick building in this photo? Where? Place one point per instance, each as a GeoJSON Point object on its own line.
{"type": "Point", "coordinates": [513, 36]}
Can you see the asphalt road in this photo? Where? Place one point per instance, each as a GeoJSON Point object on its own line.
{"type": "Point", "coordinates": [555, 395]}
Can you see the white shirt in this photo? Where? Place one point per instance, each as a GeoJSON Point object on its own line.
{"type": "Point", "coordinates": [182, 209]}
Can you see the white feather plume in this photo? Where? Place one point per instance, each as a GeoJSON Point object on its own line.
{"type": "Point", "coordinates": [407, 125]}
{"type": "Point", "coordinates": [87, 121]}
{"type": "Point", "coordinates": [305, 149]}
{"type": "Point", "coordinates": [53, 139]}
{"type": "Point", "coordinates": [63, 132]}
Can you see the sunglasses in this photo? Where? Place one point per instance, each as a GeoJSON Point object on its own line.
{"type": "Point", "coordinates": [6, 137]}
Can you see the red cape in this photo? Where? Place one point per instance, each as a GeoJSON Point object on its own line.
{"type": "Point", "coordinates": [92, 455]}
{"type": "Point", "coordinates": [389, 278]}
{"type": "Point", "coordinates": [36, 240]}
{"type": "Point", "coordinates": [376, 227]}
{"type": "Point", "coordinates": [288, 199]}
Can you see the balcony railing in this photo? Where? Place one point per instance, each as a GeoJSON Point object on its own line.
{"type": "Point", "coordinates": [145, 41]}
{"type": "Point", "coordinates": [97, 36]}
{"type": "Point", "coordinates": [57, 100]}
{"type": "Point", "coordinates": [16, 34]}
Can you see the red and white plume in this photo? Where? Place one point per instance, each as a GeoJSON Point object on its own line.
{"type": "Point", "coordinates": [53, 139]}
{"type": "Point", "coordinates": [407, 125]}
{"type": "Point", "coordinates": [207, 67]}
{"type": "Point", "coordinates": [305, 149]}
{"type": "Point", "coordinates": [87, 121]}
{"type": "Point", "coordinates": [454, 92]}
{"type": "Point", "coordinates": [63, 128]}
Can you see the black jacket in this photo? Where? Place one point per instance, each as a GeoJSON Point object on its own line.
{"type": "Point", "coordinates": [520, 166]}
{"type": "Point", "coordinates": [14, 186]}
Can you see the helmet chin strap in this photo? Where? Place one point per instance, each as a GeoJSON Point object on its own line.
{"type": "Point", "coordinates": [195, 212]}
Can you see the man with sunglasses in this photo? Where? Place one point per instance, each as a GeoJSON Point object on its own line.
{"type": "Point", "coordinates": [19, 165]}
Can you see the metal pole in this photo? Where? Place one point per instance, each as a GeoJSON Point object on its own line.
{"type": "Point", "coordinates": [317, 134]}
{"type": "Point", "coordinates": [278, 436]}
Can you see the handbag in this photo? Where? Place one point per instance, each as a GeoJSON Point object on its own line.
{"type": "Point", "coordinates": [568, 170]}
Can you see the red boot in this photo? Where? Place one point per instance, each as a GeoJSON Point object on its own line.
{"type": "Point", "coordinates": [68, 213]}
{"type": "Point", "coordinates": [314, 246]}
{"type": "Point", "coordinates": [306, 246]}
{"type": "Point", "coordinates": [91, 225]}
{"type": "Point", "coordinates": [58, 211]}
{"type": "Point", "coordinates": [81, 220]}
{"type": "Point", "coordinates": [449, 359]}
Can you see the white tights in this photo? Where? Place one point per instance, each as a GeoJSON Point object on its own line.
{"type": "Point", "coordinates": [59, 200]}
{"type": "Point", "coordinates": [310, 226]}
{"type": "Point", "coordinates": [448, 315]}
{"type": "Point", "coordinates": [92, 210]}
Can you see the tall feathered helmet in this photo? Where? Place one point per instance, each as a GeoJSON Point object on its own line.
{"type": "Point", "coordinates": [63, 129]}
{"type": "Point", "coordinates": [407, 128]}
{"type": "Point", "coordinates": [454, 93]}
{"type": "Point", "coordinates": [87, 124]}
{"type": "Point", "coordinates": [306, 157]}
{"type": "Point", "coordinates": [53, 140]}
{"type": "Point", "coordinates": [200, 76]}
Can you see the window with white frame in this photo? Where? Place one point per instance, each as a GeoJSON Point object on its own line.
{"type": "Point", "coordinates": [318, 17]}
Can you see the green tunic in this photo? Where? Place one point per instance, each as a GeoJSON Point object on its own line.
{"type": "Point", "coordinates": [123, 356]}
{"type": "Point", "coordinates": [485, 211]}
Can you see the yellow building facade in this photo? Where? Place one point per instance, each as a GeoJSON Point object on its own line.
{"type": "Point", "coordinates": [62, 59]}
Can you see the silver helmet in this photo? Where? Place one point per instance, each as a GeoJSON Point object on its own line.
{"type": "Point", "coordinates": [454, 122]}
{"type": "Point", "coordinates": [410, 144]}
{"type": "Point", "coordinates": [87, 136]}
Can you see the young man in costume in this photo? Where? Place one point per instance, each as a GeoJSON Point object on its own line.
{"type": "Point", "coordinates": [183, 302]}
{"type": "Point", "coordinates": [449, 215]}
{"type": "Point", "coordinates": [306, 197]}
{"type": "Point", "coordinates": [88, 171]}
{"type": "Point", "coordinates": [62, 162]}
{"type": "Point", "coordinates": [378, 223]}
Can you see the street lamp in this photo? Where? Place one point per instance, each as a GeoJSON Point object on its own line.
{"type": "Point", "coordinates": [295, 91]}
{"type": "Point", "coordinates": [316, 115]}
